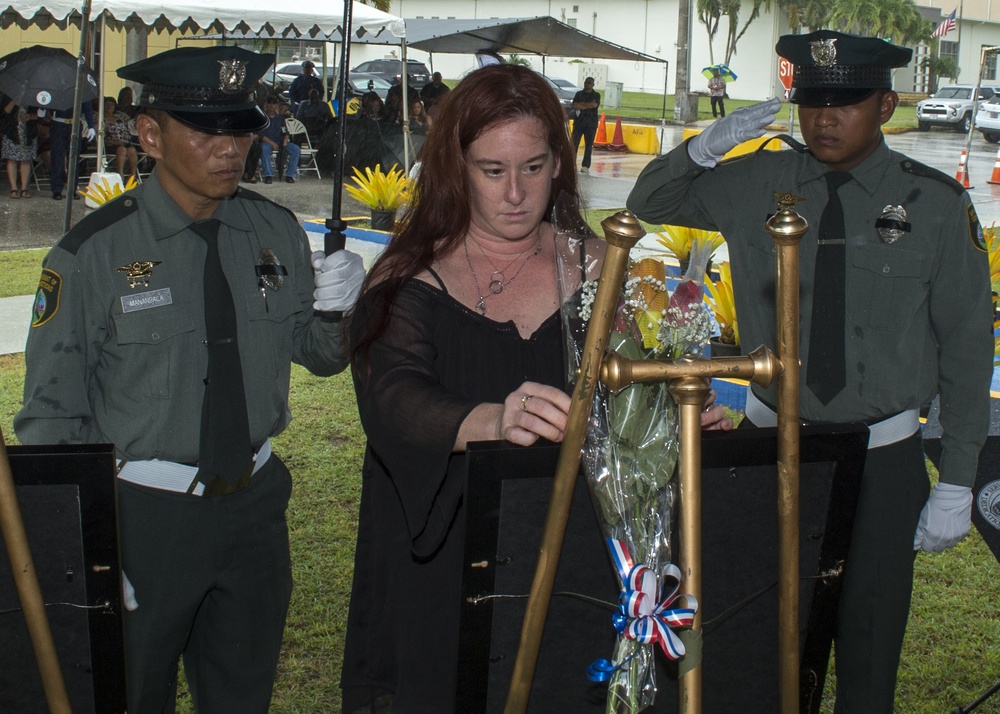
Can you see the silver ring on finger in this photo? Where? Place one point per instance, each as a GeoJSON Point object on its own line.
{"type": "Point", "coordinates": [524, 401]}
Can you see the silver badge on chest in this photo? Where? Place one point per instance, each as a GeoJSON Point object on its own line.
{"type": "Point", "coordinates": [892, 224]}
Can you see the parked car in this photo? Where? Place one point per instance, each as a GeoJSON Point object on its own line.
{"type": "Point", "coordinates": [361, 82]}
{"type": "Point", "coordinates": [565, 90]}
{"type": "Point", "coordinates": [290, 70]}
{"type": "Point", "coordinates": [952, 106]}
{"type": "Point", "coordinates": [988, 119]}
{"type": "Point", "coordinates": [390, 70]}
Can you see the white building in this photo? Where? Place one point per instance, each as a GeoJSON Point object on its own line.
{"type": "Point", "coordinates": [651, 28]}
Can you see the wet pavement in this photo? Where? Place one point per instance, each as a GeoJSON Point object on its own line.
{"type": "Point", "coordinates": [38, 222]}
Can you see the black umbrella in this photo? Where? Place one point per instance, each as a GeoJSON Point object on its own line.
{"type": "Point", "coordinates": [45, 77]}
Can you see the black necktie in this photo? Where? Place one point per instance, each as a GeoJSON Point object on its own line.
{"type": "Point", "coordinates": [225, 457]}
{"type": "Point", "coordinates": [826, 373]}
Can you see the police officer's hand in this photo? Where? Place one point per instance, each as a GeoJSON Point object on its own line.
{"type": "Point", "coordinates": [338, 280]}
{"type": "Point", "coordinates": [946, 518]}
{"type": "Point", "coordinates": [90, 133]}
{"type": "Point", "coordinates": [746, 123]}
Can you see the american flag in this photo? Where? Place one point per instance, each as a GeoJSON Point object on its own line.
{"type": "Point", "coordinates": [946, 26]}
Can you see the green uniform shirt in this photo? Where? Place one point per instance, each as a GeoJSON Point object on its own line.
{"type": "Point", "coordinates": [107, 362]}
{"type": "Point", "coordinates": [918, 311]}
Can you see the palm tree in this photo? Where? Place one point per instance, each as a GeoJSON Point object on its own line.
{"type": "Point", "coordinates": [382, 5]}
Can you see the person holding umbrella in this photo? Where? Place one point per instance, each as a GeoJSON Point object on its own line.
{"type": "Point", "coordinates": [717, 91]}
{"type": "Point", "coordinates": [20, 144]}
{"type": "Point", "coordinates": [171, 316]}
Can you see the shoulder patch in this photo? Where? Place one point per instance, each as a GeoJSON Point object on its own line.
{"type": "Point", "coordinates": [254, 196]}
{"type": "Point", "coordinates": [104, 217]}
{"type": "Point", "coordinates": [47, 296]}
{"type": "Point", "coordinates": [976, 230]}
{"type": "Point", "coordinates": [915, 168]}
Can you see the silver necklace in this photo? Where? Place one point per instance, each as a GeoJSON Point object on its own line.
{"type": "Point", "coordinates": [497, 285]}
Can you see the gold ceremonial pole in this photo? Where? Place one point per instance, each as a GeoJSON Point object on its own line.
{"type": "Point", "coordinates": [622, 231]}
{"type": "Point", "coordinates": [690, 394]}
{"type": "Point", "coordinates": [28, 591]}
{"type": "Point", "coordinates": [689, 389]}
{"type": "Point", "coordinates": [787, 228]}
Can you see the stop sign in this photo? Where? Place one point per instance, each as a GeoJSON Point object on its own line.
{"type": "Point", "coordinates": [785, 69]}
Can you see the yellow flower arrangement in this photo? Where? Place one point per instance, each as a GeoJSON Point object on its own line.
{"type": "Point", "coordinates": [993, 248]}
{"type": "Point", "coordinates": [380, 191]}
{"type": "Point", "coordinates": [680, 239]}
{"type": "Point", "coordinates": [724, 305]}
{"type": "Point", "coordinates": [101, 193]}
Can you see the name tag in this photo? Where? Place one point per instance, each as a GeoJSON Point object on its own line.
{"type": "Point", "coordinates": [146, 300]}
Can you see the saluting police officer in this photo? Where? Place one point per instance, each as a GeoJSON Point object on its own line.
{"type": "Point", "coordinates": [895, 310]}
{"type": "Point", "coordinates": [166, 323]}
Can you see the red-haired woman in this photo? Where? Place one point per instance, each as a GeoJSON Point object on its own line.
{"type": "Point", "coordinates": [456, 339]}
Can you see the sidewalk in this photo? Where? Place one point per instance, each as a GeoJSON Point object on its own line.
{"type": "Point", "coordinates": [15, 316]}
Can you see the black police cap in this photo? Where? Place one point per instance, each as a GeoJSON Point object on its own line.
{"type": "Point", "coordinates": [834, 69]}
{"type": "Point", "coordinates": [209, 88]}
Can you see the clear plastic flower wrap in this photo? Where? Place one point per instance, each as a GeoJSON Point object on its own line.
{"type": "Point", "coordinates": [631, 451]}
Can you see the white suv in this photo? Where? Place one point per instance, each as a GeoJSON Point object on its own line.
{"type": "Point", "coordinates": [951, 106]}
{"type": "Point", "coordinates": [988, 119]}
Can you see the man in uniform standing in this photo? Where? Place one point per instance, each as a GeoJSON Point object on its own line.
{"type": "Point", "coordinates": [166, 323]}
{"type": "Point", "coordinates": [895, 310]}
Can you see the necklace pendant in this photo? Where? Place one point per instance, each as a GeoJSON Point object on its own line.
{"type": "Point", "coordinates": [481, 305]}
{"type": "Point", "coordinates": [496, 287]}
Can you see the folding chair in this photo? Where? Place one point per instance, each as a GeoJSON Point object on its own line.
{"type": "Point", "coordinates": [307, 159]}
{"type": "Point", "coordinates": [39, 174]}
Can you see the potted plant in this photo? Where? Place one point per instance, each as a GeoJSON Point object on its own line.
{"type": "Point", "coordinates": [720, 299]}
{"type": "Point", "coordinates": [679, 240]}
{"type": "Point", "coordinates": [383, 193]}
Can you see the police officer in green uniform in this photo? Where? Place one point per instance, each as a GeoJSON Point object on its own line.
{"type": "Point", "coordinates": [166, 323]}
{"type": "Point", "coordinates": [895, 278]}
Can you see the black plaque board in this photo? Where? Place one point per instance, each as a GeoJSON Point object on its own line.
{"type": "Point", "coordinates": [507, 500]}
{"type": "Point", "coordinates": [67, 500]}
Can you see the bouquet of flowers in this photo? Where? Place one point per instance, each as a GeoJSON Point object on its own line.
{"type": "Point", "coordinates": [630, 457]}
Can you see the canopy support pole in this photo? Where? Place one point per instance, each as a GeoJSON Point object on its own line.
{"type": "Point", "coordinates": [74, 135]}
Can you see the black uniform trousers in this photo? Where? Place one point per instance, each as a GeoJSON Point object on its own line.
{"type": "Point", "coordinates": [212, 577]}
{"type": "Point", "coordinates": [878, 578]}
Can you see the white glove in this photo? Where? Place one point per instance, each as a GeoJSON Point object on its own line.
{"type": "Point", "coordinates": [90, 133]}
{"type": "Point", "coordinates": [338, 280]}
{"type": "Point", "coordinates": [946, 518]}
{"type": "Point", "coordinates": [744, 124]}
{"type": "Point", "coordinates": [41, 113]}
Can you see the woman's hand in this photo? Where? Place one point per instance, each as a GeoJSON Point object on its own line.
{"type": "Point", "coordinates": [531, 411]}
{"type": "Point", "coordinates": [713, 418]}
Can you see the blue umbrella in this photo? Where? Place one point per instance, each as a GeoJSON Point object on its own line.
{"type": "Point", "coordinates": [724, 72]}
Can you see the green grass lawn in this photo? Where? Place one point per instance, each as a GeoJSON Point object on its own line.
{"type": "Point", "coordinates": [950, 655]}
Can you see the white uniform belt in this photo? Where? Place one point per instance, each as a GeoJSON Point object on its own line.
{"type": "Point", "coordinates": [172, 476]}
{"type": "Point", "coordinates": [881, 433]}
{"type": "Point", "coordinates": [63, 120]}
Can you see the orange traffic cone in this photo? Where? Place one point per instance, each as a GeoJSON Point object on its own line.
{"type": "Point", "coordinates": [962, 175]}
{"type": "Point", "coordinates": [618, 142]}
{"type": "Point", "coordinates": [995, 178]}
{"type": "Point", "coordinates": [601, 140]}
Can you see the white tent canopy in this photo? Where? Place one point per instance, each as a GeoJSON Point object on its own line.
{"type": "Point", "coordinates": [301, 19]}
{"type": "Point", "coordinates": [306, 18]}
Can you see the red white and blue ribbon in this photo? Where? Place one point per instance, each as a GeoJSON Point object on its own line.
{"type": "Point", "coordinates": [641, 617]}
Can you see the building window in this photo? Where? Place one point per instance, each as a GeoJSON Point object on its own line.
{"type": "Point", "coordinates": [990, 67]}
